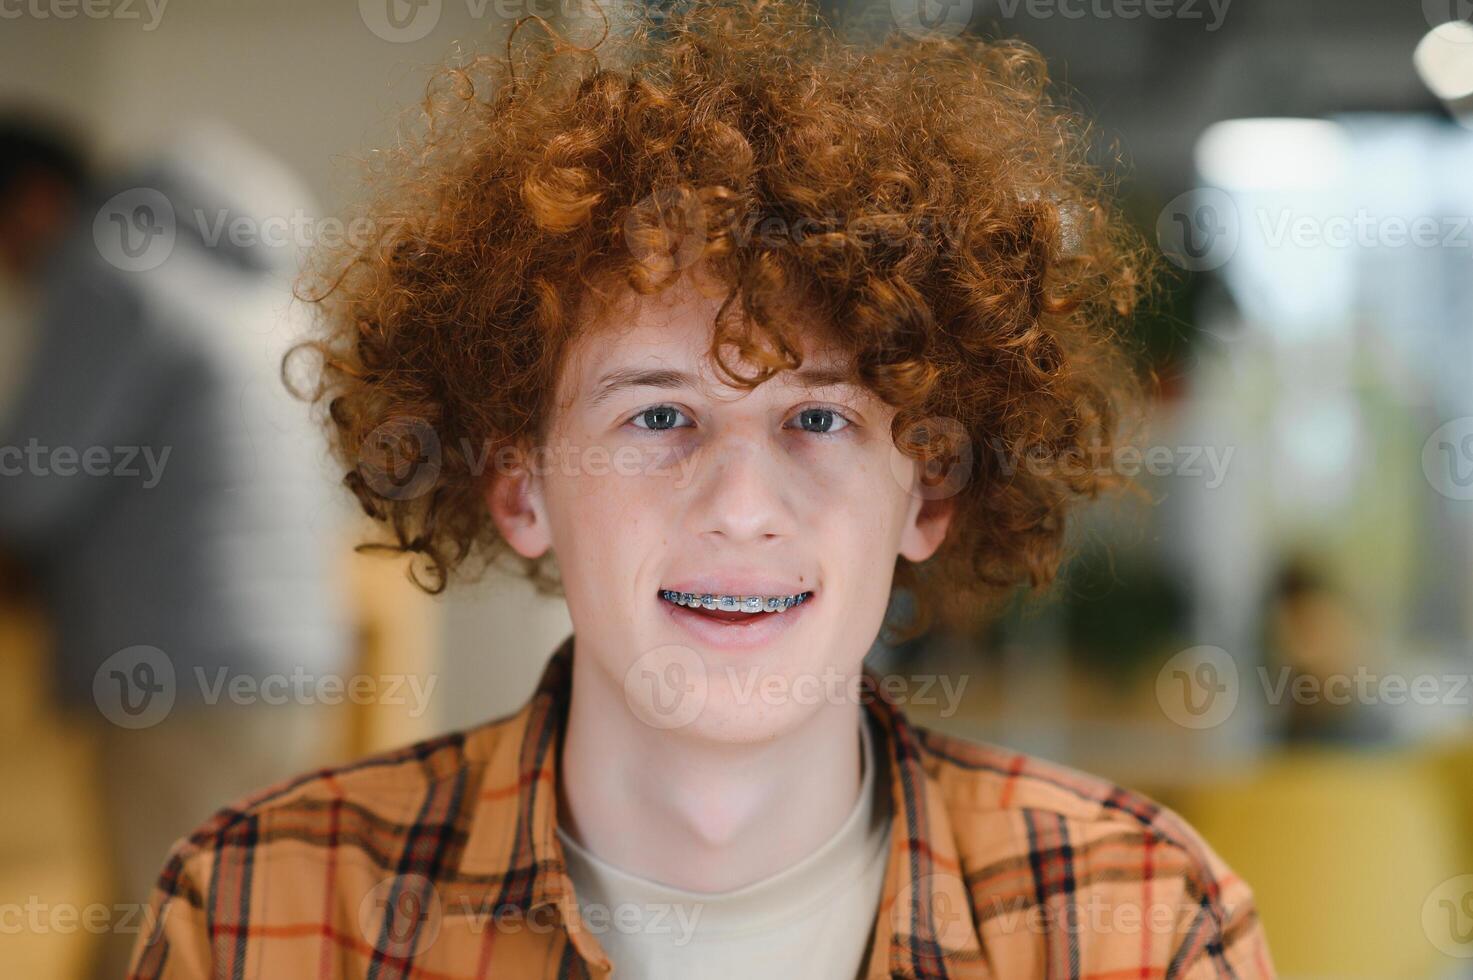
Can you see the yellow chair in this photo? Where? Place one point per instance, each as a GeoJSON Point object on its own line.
{"type": "Point", "coordinates": [1343, 849]}
{"type": "Point", "coordinates": [49, 844]}
{"type": "Point", "coordinates": [1450, 762]}
{"type": "Point", "coordinates": [396, 627]}
{"type": "Point", "coordinates": [52, 850]}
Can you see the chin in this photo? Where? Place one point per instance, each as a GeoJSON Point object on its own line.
{"type": "Point", "coordinates": [764, 700]}
{"type": "Point", "coordinates": [735, 692]}
{"type": "Point", "coordinates": [735, 722]}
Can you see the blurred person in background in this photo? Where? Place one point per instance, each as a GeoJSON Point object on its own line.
{"type": "Point", "coordinates": [1319, 644]}
{"type": "Point", "coordinates": [155, 484]}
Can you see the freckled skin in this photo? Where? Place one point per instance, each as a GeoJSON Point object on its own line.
{"type": "Point", "coordinates": [752, 489]}
{"type": "Point", "coordinates": [784, 481]}
{"type": "Point", "coordinates": [758, 774]}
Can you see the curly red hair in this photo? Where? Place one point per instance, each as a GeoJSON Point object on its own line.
{"type": "Point", "coordinates": [927, 197]}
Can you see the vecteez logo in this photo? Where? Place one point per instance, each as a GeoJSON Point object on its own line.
{"type": "Point", "coordinates": [1199, 230]}
{"type": "Point", "coordinates": [931, 18]}
{"type": "Point", "coordinates": [1198, 687]}
{"type": "Point", "coordinates": [1447, 459]}
{"type": "Point", "coordinates": [135, 687]}
{"type": "Point", "coordinates": [400, 21]}
{"type": "Point", "coordinates": [136, 229]}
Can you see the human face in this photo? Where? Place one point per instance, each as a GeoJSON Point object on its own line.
{"type": "Point", "coordinates": [657, 476]}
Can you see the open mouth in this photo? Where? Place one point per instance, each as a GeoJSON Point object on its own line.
{"type": "Point", "coordinates": [734, 609]}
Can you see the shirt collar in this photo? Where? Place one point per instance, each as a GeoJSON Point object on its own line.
{"type": "Point", "coordinates": [924, 928]}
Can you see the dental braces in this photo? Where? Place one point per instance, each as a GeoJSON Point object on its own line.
{"type": "Point", "coordinates": [734, 603]}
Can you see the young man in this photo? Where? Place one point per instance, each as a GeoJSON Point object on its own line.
{"type": "Point", "coordinates": [694, 329]}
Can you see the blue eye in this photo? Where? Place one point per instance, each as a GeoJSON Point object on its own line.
{"type": "Point", "coordinates": [658, 418]}
{"type": "Point", "coordinates": [821, 420]}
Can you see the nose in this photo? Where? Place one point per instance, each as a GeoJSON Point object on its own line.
{"type": "Point", "coordinates": [740, 491]}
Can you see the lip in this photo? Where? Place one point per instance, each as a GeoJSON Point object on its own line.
{"type": "Point", "coordinates": [737, 584]}
{"type": "Point", "coordinates": [753, 633]}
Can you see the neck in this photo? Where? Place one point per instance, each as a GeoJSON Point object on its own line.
{"type": "Point", "coordinates": [694, 813]}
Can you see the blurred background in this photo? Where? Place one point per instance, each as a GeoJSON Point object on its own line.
{"type": "Point", "coordinates": [1277, 640]}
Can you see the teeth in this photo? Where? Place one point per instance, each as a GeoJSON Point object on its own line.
{"type": "Point", "coordinates": [734, 603]}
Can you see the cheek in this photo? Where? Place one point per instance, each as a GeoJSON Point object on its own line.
{"type": "Point", "coordinates": [601, 518]}
{"type": "Point", "coordinates": [861, 493]}
{"type": "Point", "coordinates": [859, 527]}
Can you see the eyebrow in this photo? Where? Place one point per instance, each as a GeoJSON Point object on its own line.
{"type": "Point", "coordinates": [619, 380]}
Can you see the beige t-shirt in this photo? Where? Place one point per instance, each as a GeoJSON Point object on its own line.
{"type": "Point", "coordinates": [810, 920]}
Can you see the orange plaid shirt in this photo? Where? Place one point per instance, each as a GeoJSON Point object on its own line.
{"type": "Point", "coordinates": [439, 861]}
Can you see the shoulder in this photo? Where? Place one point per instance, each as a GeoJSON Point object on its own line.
{"type": "Point", "coordinates": [327, 851]}
{"type": "Point", "coordinates": [1050, 848]}
{"type": "Point", "coordinates": [377, 804]}
{"type": "Point", "coordinates": [978, 777]}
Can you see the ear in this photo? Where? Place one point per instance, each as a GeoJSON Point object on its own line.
{"type": "Point", "coordinates": [926, 523]}
{"type": "Point", "coordinates": [514, 497]}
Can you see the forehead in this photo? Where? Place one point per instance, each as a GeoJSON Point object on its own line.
{"type": "Point", "coordinates": [672, 331]}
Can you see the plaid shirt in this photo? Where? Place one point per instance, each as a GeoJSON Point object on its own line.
{"type": "Point", "coordinates": [439, 861]}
